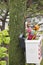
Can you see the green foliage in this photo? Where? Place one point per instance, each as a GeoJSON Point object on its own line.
{"type": "Point", "coordinates": [3, 6]}
{"type": "Point", "coordinates": [6, 40]}
{"type": "Point", "coordinates": [2, 62]}
{"type": "Point", "coordinates": [3, 55]}
{"type": "Point", "coordinates": [0, 38]}
{"type": "Point", "coordinates": [1, 41]}
{"type": "Point", "coordinates": [4, 37]}
{"type": "Point", "coordinates": [41, 2]}
{"type": "Point", "coordinates": [35, 9]}
{"type": "Point", "coordinates": [3, 49]}
{"type": "Point", "coordinates": [5, 33]}
{"type": "Point", "coordinates": [2, 52]}
{"type": "Point", "coordinates": [0, 33]}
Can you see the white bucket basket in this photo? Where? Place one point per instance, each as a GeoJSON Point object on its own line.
{"type": "Point", "coordinates": [33, 50]}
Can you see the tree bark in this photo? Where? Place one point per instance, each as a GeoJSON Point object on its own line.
{"type": "Point", "coordinates": [17, 10]}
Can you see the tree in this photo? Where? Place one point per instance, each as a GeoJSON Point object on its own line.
{"type": "Point", "coordinates": [29, 2]}
{"type": "Point", "coordinates": [35, 8]}
{"type": "Point", "coordinates": [17, 10]}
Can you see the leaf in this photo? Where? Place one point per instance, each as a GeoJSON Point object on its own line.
{"type": "Point", "coordinates": [1, 41]}
{"type": "Point", "coordinates": [2, 52]}
{"type": "Point", "coordinates": [3, 49]}
{"type": "Point", "coordinates": [6, 40]}
{"type": "Point", "coordinates": [1, 37]}
{"type": "Point", "coordinates": [2, 62]}
{"type": "Point", "coordinates": [4, 55]}
{"type": "Point", "coordinates": [0, 34]}
{"type": "Point", "coordinates": [5, 33]}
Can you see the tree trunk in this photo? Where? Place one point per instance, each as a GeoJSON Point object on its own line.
{"type": "Point", "coordinates": [17, 10]}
